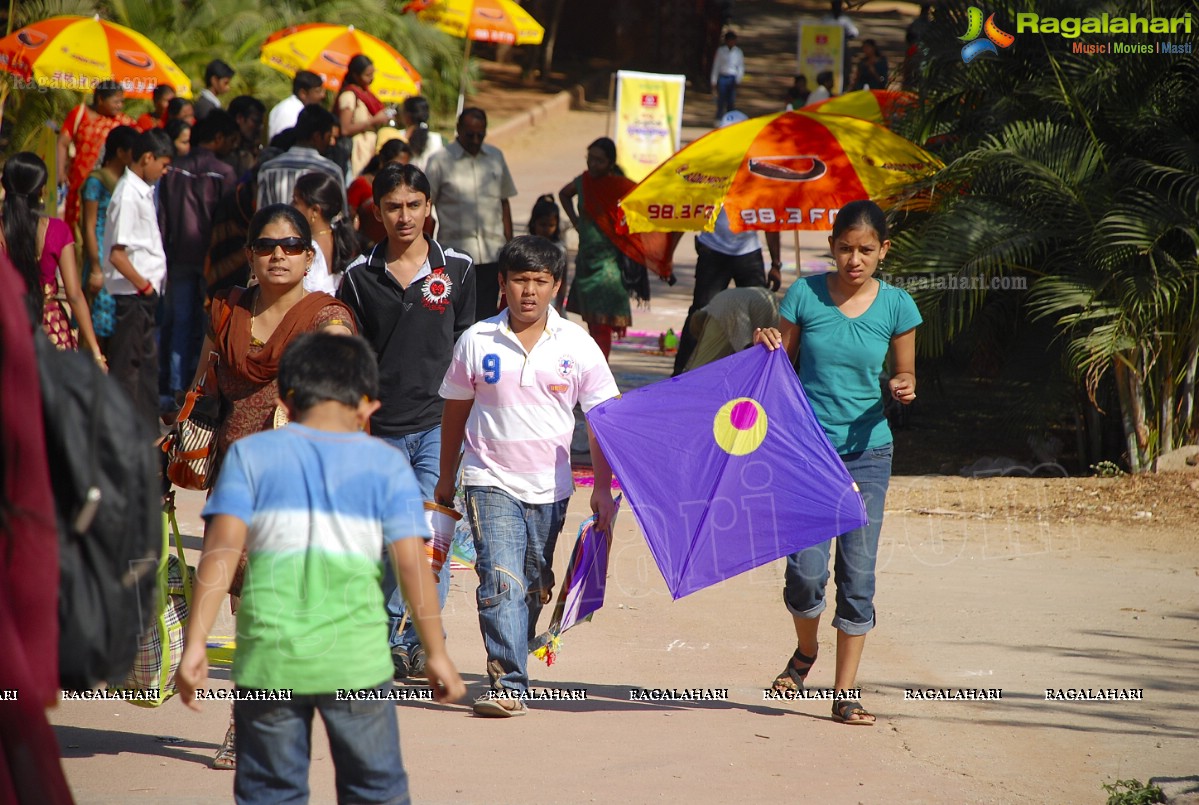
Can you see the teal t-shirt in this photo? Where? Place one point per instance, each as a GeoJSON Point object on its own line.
{"type": "Point", "coordinates": [319, 507]}
{"type": "Point", "coordinates": [841, 359]}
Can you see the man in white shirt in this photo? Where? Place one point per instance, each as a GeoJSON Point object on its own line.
{"type": "Point", "coordinates": [725, 256]}
{"type": "Point", "coordinates": [728, 68]}
{"type": "Point", "coordinates": [471, 186]}
{"type": "Point", "coordinates": [135, 265]}
{"type": "Point", "coordinates": [824, 88]}
{"type": "Point", "coordinates": [307, 87]}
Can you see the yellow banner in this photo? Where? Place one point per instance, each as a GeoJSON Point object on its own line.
{"type": "Point", "coordinates": [822, 47]}
{"type": "Point", "coordinates": [649, 120]}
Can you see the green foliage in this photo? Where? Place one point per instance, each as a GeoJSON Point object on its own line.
{"type": "Point", "coordinates": [1131, 792]}
{"type": "Point", "coordinates": [1081, 173]}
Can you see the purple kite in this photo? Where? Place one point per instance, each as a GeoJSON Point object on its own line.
{"type": "Point", "coordinates": [726, 468]}
{"type": "Point", "coordinates": [583, 592]}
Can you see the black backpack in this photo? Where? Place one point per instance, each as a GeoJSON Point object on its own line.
{"type": "Point", "coordinates": [104, 474]}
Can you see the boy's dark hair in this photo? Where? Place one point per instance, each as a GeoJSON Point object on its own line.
{"type": "Point", "coordinates": [313, 119]}
{"type": "Point", "coordinates": [532, 253]}
{"type": "Point", "coordinates": [155, 142]}
{"type": "Point", "coordinates": [393, 175]}
{"type": "Point", "coordinates": [319, 367]}
{"type": "Point", "coordinates": [217, 69]}
{"type": "Point", "coordinates": [246, 105]}
{"type": "Point", "coordinates": [120, 138]}
{"type": "Point", "coordinates": [218, 121]}
{"type": "Point", "coordinates": [305, 80]}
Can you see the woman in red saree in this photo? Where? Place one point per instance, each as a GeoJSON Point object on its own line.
{"type": "Point", "coordinates": [598, 293]}
{"type": "Point", "coordinates": [87, 127]}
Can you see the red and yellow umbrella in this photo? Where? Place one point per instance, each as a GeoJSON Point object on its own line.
{"type": "Point", "coordinates": [791, 170]}
{"type": "Point", "coordinates": [71, 52]}
{"type": "Point", "coordinates": [326, 50]}
{"type": "Point", "coordinates": [501, 21]}
{"type": "Point", "coordinates": [879, 106]}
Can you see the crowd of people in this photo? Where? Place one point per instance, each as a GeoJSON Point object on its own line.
{"type": "Point", "coordinates": [356, 271]}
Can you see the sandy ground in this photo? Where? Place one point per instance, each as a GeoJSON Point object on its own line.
{"type": "Point", "coordinates": [1020, 585]}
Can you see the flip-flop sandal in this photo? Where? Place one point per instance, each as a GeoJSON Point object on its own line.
{"type": "Point", "coordinates": [226, 755]}
{"type": "Point", "coordinates": [792, 678]}
{"type": "Point", "coordinates": [847, 711]}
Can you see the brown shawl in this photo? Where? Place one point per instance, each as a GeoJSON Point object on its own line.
{"type": "Point", "coordinates": [233, 343]}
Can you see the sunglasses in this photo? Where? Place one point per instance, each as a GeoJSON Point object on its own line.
{"type": "Point", "coordinates": [291, 246]}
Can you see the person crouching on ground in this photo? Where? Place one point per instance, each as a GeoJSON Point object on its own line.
{"type": "Point", "coordinates": [511, 390]}
{"type": "Point", "coordinates": [316, 501]}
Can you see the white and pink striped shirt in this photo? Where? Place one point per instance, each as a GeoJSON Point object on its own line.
{"type": "Point", "coordinates": [519, 431]}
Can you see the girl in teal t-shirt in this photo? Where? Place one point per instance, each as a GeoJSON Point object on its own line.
{"type": "Point", "coordinates": [842, 325]}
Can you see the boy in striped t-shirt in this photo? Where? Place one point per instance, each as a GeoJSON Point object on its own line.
{"type": "Point", "coordinates": [511, 390]}
{"type": "Point", "coordinates": [314, 504]}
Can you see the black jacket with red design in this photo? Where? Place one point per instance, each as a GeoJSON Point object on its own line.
{"type": "Point", "coordinates": [412, 330]}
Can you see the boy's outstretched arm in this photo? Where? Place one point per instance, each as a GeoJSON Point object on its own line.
{"type": "Point", "coordinates": [419, 586]}
{"type": "Point", "coordinates": [601, 496]}
{"type": "Point", "coordinates": [223, 543]}
{"type": "Point", "coordinates": [453, 430]}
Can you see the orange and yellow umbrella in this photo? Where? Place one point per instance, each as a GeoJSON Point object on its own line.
{"type": "Point", "coordinates": [501, 21]}
{"type": "Point", "coordinates": [326, 50]}
{"type": "Point", "coordinates": [779, 172]}
{"type": "Point", "coordinates": [879, 106]}
{"type": "Point", "coordinates": [75, 53]}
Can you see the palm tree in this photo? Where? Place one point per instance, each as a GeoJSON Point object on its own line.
{"type": "Point", "coordinates": [1098, 210]}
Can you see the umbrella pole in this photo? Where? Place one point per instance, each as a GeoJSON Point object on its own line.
{"type": "Point", "coordinates": [798, 263]}
{"type": "Point", "coordinates": [462, 85]}
{"type": "Point", "coordinates": [611, 105]}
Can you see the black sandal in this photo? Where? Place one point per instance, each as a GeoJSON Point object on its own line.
{"type": "Point", "coordinates": [792, 678]}
{"type": "Point", "coordinates": [847, 711]}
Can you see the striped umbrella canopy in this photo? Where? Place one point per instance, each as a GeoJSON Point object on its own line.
{"type": "Point", "coordinates": [779, 172]}
{"type": "Point", "coordinates": [501, 21]}
{"type": "Point", "coordinates": [326, 50]}
{"type": "Point", "coordinates": [75, 53]}
{"type": "Point", "coordinates": [879, 106]}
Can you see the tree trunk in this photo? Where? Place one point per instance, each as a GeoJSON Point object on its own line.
{"type": "Point", "coordinates": [1188, 388]}
{"type": "Point", "coordinates": [551, 37]}
{"type": "Point", "coordinates": [1132, 415]}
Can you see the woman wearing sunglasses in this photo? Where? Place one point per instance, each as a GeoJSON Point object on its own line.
{"type": "Point", "coordinates": [249, 330]}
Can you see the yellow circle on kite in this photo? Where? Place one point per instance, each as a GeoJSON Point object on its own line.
{"type": "Point", "coordinates": [740, 426]}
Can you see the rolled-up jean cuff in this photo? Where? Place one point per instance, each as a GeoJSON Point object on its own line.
{"type": "Point", "coordinates": [854, 629]}
{"type": "Point", "coordinates": [806, 614]}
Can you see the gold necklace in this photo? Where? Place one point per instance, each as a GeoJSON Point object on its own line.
{"type": "Point", "coordinates": [322, 232]}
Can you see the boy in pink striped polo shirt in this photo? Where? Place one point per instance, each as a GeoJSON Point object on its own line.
{"type": "Point", "coordinates": [510, 391]}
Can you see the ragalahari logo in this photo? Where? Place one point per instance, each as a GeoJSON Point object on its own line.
{"type": "Point", "coordinates": [976, 46]}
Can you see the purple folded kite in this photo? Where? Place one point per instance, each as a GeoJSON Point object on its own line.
{"type": "Point", "coordinates": [726, 468]}
{"type": "Point", "coordinates": [583, 593]}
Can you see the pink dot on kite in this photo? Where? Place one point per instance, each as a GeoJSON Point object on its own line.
{"type": "Point", "coordinates": [743, 415]}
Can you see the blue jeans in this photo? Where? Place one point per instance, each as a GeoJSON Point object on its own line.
{"type": "Point", "coordinates": [515, 545]}
{"type": "Point", "coordinates": [274, 745]}
{"type": "Point", "coordinates": [424, 455]}
{"type": "Point", "coordinates": [726, 95]}
{"type": "Point", "coordinates": [182, 332]}
{"type": "Point", "coordinates": [857, 551]}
